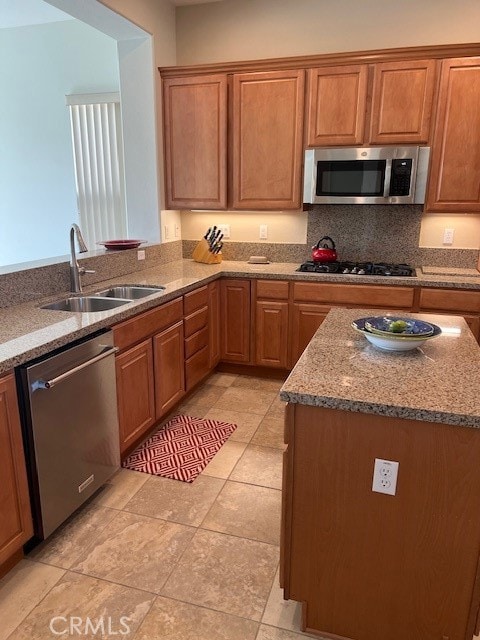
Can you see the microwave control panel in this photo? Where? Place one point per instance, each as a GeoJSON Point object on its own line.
{"type": "Point", "coordinates": [401, 177]}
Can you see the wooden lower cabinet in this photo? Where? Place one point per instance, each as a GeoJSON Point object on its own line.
{"type": "Point", "coordinates": [474, 324]}
{"type": "Point", "coordinates": [306, 318]}
{"type": "Point", "coordinates": [135, 392]}
{"type": "Point", "coordinates": [365, 295]}
{"type": "Point", "coordinates": [235, 314]}
{"type": "Point", "coordinates": [169, 370]}
{"type": "Point", "coordinates": [214, 323]}
{"type": "Point", "coordinates": [367, 565]}
{"type": "Point", "coordinates": [197, 335]}
{"type": "Point", "coordinates": [271, 334]}
{"type": "Point", "coordinates": [15, 515]}
{"type": "Point", "coordinates": [454, 302]}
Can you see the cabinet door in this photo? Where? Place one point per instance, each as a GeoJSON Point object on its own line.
{"type": "Point", "coordinates": [474, 324]}
{"type": "Point", "coordinates": [235, 299]}
{"type": "Point", "coordinates": [135, 392]}
{"type": "Point", "coordinates": [195, 128]}
{"type": "Point", "coordinates": [267, 140]}
{"type": "Point", "coordinates": [169, 368]}
{"type": "Point", "coordinates": [214, 323]}
{"type": "Point", "coordinates": [337, 98]}
{"type": "Point", "coordinates": [306, 318]}
{"type": "Point", "coordinates": [271, 334]}
{"type": "Point", "coordinates": [402, 102]}
{"type": "Point", "coordinates": [454, 184]}
{"type": "Point", "coordinates": [15, 516]}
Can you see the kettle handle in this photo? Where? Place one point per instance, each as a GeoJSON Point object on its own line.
{"type": "Point", "coordinates": [317, 246]}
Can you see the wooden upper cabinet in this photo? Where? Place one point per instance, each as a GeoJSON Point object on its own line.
{"type": "Point", "coordinates": [454, 184]}
{"type": "Point", "coordinates": [336, 105]}
{"type": "Point", "coordinates": [267, 140]}
{"type": "Point", "coordinates": [402, 101]}
{"type": "Point", "coordinates": [195, 129]}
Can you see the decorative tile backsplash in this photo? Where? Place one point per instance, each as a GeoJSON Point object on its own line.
{"type": "Point", "coordinates": [371, 233]}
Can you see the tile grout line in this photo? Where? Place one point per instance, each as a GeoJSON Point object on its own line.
{"type": "Point", "coordinates": [10, 636]}
{"type": "Point", "coordinates": [202, 606]}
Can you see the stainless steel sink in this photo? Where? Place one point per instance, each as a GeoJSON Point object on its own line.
{"type": "Point", "coordinates": [86, 304]}
{"type": "Point", "coordinates": [131, 292]}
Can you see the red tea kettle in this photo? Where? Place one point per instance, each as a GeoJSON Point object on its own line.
{"type": "Point", "coordinates": [324, 250]}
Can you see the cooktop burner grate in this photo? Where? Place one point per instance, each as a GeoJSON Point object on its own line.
{"type": "Point", "coordinates": [359, 268]}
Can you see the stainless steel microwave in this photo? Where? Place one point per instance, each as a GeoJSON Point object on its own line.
{"type": "Point", "coordinates": [366, 175]}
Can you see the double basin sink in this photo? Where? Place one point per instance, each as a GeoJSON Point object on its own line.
{"type": "Point", "coordinates": [104, 300]}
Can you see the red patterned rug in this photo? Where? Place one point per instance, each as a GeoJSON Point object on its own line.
{"type": "Point", "coordinates": [181, 448]}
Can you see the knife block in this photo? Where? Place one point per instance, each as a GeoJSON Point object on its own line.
{"type": "Point", "coordinates": [201, 253]}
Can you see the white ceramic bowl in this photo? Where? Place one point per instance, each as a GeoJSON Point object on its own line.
{"type": "Point", "coordinates": [394, 344]}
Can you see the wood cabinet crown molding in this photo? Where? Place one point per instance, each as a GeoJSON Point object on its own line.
{"type": "Point", "coordinates": [328, 59]}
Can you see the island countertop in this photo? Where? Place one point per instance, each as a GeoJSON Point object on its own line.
{"type": "Point", "coordinates": [438, 382]}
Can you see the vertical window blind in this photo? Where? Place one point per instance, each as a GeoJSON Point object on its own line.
{"type": "Point", "coordinates": [99, 166]}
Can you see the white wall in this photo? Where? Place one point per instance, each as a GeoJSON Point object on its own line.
{"type": "Point", "coordinates": [39, 65]}
{"type": "Point", "coordinates": [157, 17]}
{"type": "Point", "coordinates": [251, 29]}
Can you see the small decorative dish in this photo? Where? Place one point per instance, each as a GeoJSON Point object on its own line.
{"type": "Point", "coordinates": [398, 326]}
{"type": "Point", "coordinates": [116, 245]}
{"type": "Point", "coordinates": [394, 341]}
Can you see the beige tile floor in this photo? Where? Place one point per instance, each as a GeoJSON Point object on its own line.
{"type": "Point", "coordinates": [181, 561]}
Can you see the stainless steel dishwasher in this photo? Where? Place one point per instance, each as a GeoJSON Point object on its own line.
{"type": "Point", "coordinates": [70, 426]}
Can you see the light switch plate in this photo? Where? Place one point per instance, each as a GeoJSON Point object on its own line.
{"type": "Point", "coordinates": [385, 474]}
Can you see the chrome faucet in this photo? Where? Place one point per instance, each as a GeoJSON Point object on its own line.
{"type": "Point", "coordinates": [75, 270]}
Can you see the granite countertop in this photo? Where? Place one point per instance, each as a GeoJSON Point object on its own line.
{"type": "Point", "coordinates": [26, 331]}
{"type": "Point", "coordinates": [438, 382]}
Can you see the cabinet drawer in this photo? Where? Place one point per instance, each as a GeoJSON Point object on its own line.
{"type": "Point", "coordinates": [196, 342]}
{"type": "Point", "coordinates": [146, 324]}
{"type": "Point", "coordinates": [196, 367]}
{"type": "Point", "coordinates": [195, 300]}
{"type": "Point", "coordinates": [272, 289]}
{"type": "Point", "coordinates": [356, 294]}
{"type": "Point", "coordinates": [450, 300]}
{"type": "Point", "coordinates": [196, 321]}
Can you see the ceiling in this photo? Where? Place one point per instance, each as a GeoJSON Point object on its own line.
{"type": "Point", "coordinates": [20, 13]}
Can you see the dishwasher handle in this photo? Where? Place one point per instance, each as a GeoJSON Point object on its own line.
{"type": "Point", "coordinates": [48, 384]}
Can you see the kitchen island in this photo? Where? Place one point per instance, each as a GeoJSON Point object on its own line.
{"type": "Point", "coordinates": [369, 565]}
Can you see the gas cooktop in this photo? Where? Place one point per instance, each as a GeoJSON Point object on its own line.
{"type": "Point", "coordinates": [359, 268]}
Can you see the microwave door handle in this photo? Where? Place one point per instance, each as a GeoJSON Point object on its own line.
{"type": "Point", "coordinates": [388, 175]}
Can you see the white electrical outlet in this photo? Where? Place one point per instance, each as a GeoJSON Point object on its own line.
{"type": "Point", "coordinates": [385, 473]}
{"type": "Point", "coordinates": [177, 231]}
{"type": "Point", "coordinates": [263, 232]}
{"type": "Point", "coordinates": [141, 254]}
{"type": "Point", "coordinates": [225, 229]}
{"type": "Point", "coordinates": [448, 236]}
